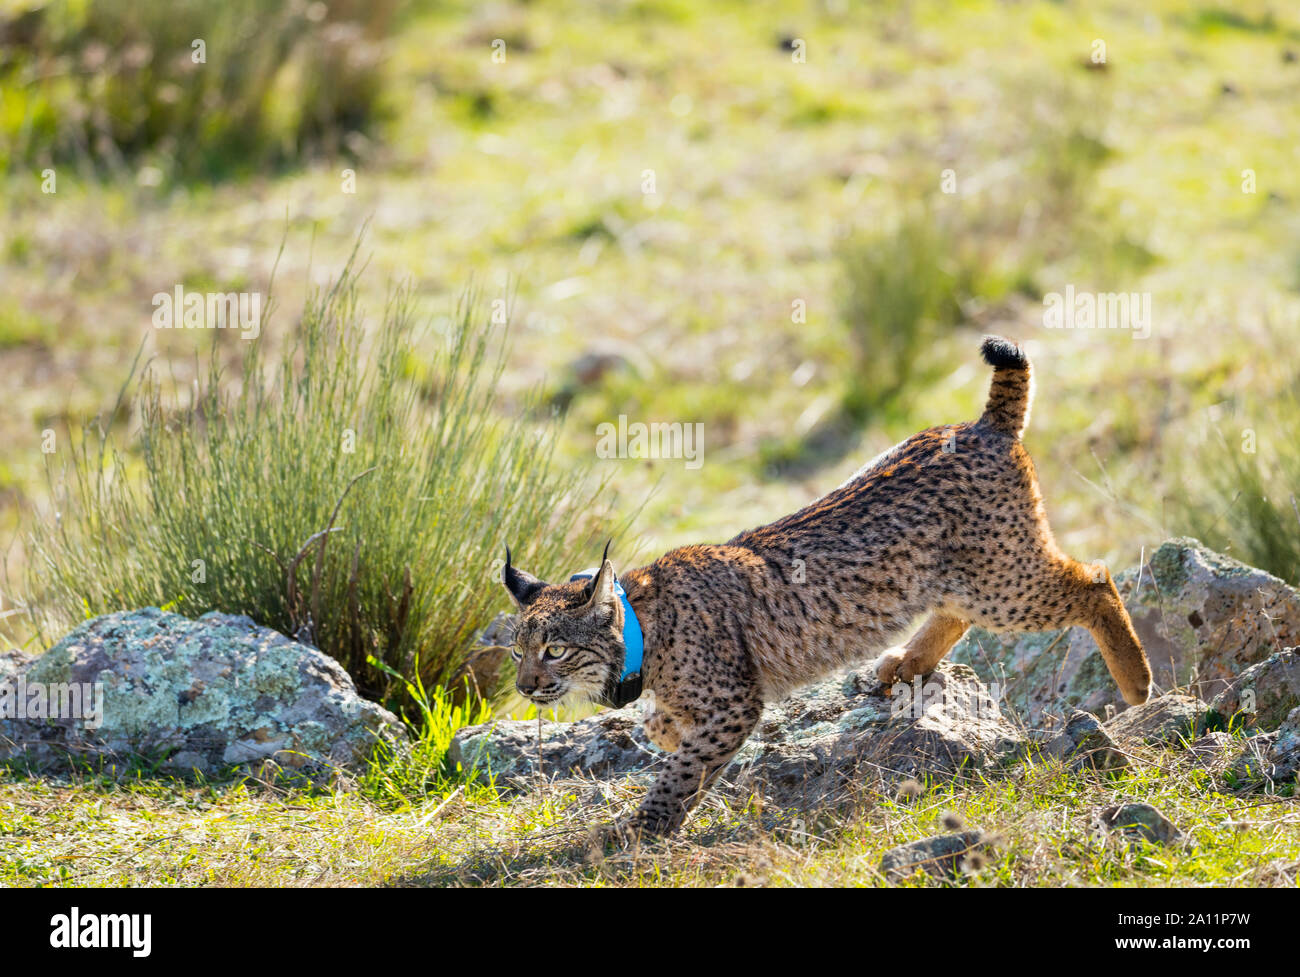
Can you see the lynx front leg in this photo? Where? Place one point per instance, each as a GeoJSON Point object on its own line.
{"type": "Point", "coordinates": [923, 651]}
{"type": "Point", "coordinates": [704, 749]}
{"type": "Point", "coordinates": [663, 731]}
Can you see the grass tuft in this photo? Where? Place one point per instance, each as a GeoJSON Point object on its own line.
{"type": "Point", "coordinates": [1248, 502]}
{"type": "Point", "coordinates": [353, 491]}
{"type": "Point", "coordinates": [104, 83]}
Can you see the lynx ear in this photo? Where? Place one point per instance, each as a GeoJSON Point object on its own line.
{"type": "Point", "coordinates": [523, 587]}
{"type": "Point", "coordinates": [603, 595]}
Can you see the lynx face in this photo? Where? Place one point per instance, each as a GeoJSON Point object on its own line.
{"type": "Point", "coordinates": [569, 637]}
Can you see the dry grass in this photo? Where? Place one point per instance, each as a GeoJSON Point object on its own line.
{"type": "Point", "coordinates": [1038, 817]}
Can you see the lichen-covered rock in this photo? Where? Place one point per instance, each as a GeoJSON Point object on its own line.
{"type": "Point", "coordinates": [1264, 693]}
{"type": "Point", "coordinates": [940, 855]}
{"type": "Point", "coordinates": [203, 695]}
{"type": "Point", "coordinates": [1084, 742]}
{"type": "Point", "coordinates": [808, 747]}
{"type": "Point", "coordinates": [1203, 618]}
{"type": "Point", "coordinates": [1167, 719]}
{"type": "Point", "coordinates": [12, 661]}
{"type": "Point", "coordinates": [1270, 760]}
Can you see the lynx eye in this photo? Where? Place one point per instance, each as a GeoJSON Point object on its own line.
{"type": "Point", "coordinates": [516, 654]}
{"type": "Point", "coordinates": [553, 653]}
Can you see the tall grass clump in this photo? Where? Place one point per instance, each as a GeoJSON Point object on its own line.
{"type": "Point", "coordinates": [346, 488]}
{"type": "Point", "coordinates": [192, 87]}
{"type": "Point", "coordinates": [901, 291]}
{"type": "Point", "coordinates": [399, 775]}
{"type": "Point", "coordinates": [946, 261]}
{"type": "Point", "coordinates": [1248, 504]}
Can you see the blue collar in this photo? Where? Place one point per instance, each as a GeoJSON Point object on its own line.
{"type": "Point", "coordinates": [628, 687]}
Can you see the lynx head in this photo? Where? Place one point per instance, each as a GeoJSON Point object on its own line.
{"type": "Point", "coordinates": [569, 636]}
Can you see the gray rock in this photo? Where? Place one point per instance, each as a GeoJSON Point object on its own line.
{"type": "Point", "coordinates": [1211, 749]}
{"type": "Point", "coordinates": [1270, 760]}
{"type": "Point", "coordinates": [203, 695]}
{"type": "Point", "coordinates": [1084, 742]}
{"type": "Point", "coordinates": [940, 855]}
{"type": "Point", "coordinates": [818, 742]}
{"type": "Point", "coordinates": [1168, 720]}
{"type": "Point", "coordinates": [1139, 821]}
{"type": "Point", "coordinates": [1202, 617]}
{"type": "Point", "coordinates": [1264, 693]}
{"type": "Point", "coordinates": [12, 661]}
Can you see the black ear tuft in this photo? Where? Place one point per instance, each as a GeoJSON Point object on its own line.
{"type": "Point", "coordinates": [601, 588]}
{"type": "Point", "coordinates": [523, 586]}
{"type": "Point", "coordinates": [605, 556]}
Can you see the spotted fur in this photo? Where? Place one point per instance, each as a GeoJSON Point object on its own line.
{"type": "Point", "coordinates": [949, 523]}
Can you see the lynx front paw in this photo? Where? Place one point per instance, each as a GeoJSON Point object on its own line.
{"type": "Point", "coordinates": [619, 834]}
{"type": "Point", "coordinates": [889, 666]}
{"type": "Point", "coordinates": [901, 665]}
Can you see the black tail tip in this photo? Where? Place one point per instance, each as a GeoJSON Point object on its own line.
{"type": "Point", "coordinates": [1003, 354]}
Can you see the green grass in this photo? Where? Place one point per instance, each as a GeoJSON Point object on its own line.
{"type": "Point", "coordinates": [770, 173]}
{"type": "Point", "coordinates": [110, 86]}
{"type": "Point", "coordinates": [901, 297]}
{"type": "Point", "coordinates": [357, 490]}
{"type": "Point", "coordinates": [20, 329]}
{"type": "Point", "coordinates": [1250, 470]}
{"type": "Point", "coordinates": [959, 255]}
{"type": "Point", "coordinates": [89, 832]}
{"type": "Point", "coordinates": [399, 776]}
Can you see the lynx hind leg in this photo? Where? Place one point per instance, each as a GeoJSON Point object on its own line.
{"type": "Point", "coordinates": [1061, 592]}
{"type": "Point", "coordinates": [923, 651]}
{"type": "Point", "coordinates": [1085, 595]}
{"type": "Point", "coordinates": [1108, 621]}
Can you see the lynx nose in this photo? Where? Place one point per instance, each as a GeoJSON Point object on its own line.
{"type": "Point", "coordinates": [526, 688]}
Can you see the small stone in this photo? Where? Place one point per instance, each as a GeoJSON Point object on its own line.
{"type": "Point", "coordinates": [938, 856]}
{"type": "Point", "coordinates": [591, 367]}
{"type": "Point", "coordinates": [1084, 742]}
{"type": "Point", "coordinates": [1270, 761]}
{"type": "Point", "coordinates": [1212, 747]}
{"type": "Point", "coordinates": [1139, 821]}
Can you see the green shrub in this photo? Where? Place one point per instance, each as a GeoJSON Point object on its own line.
{"type": "Point", "coordinates": [350, 491]}
{"type": "Point", "coordinates": [104, 81]}
{"type": "Point", "coordinates": [901, 292]}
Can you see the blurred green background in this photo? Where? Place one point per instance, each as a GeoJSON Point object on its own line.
{"type": "Point", "coordinates": [799, 281]}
